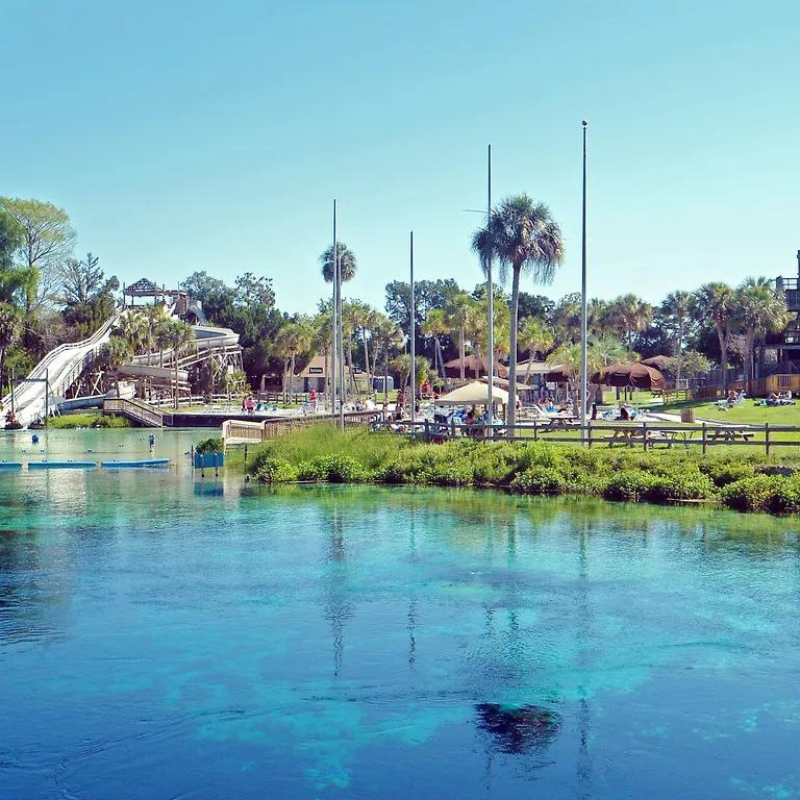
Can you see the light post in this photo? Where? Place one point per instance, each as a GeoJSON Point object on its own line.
{"type": "Point", "coordinates": [490, 290]}
{"type": "Point", "coordinates": [413, 332]}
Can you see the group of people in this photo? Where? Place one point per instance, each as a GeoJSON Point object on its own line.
{"type": "Point", "coordinates": [780, 399]}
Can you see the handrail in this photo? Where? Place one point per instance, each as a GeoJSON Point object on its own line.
{"type": "Point", "coordinates": [137, 410]}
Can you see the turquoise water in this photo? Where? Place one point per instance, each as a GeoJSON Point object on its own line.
{"type": "Point", "coordinates": [163, 636]}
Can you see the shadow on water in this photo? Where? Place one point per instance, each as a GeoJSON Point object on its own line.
{"type": "Point", "coordinates": [518, 730]}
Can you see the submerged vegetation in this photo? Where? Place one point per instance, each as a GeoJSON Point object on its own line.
{"type": "Point", "coordinates": [323, 454]}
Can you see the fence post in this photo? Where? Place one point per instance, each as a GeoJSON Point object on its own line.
{"type": "Point", "coordinates": [452, 427]}
{"type": "Point", "coordinates": [427, 431]}
{"type": "Point", "coordinates": [766, 433]}
{"type": "Point", "coordinates": [644, 435]}
{"type": "Point", "coordinates": [705, 439]}
{"type": "Point", "coordinates": [535, 431]}
{"type": "Point", "coordinates": [589, 433]}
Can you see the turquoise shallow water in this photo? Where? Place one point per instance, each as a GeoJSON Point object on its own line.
{"type": "Point", "coordinates": [163, 636]}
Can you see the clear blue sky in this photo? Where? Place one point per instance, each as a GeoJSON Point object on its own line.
{"type": "Point", "coordinates": [188, 136]}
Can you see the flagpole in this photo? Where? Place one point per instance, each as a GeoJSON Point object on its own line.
{"type": "Point", "coordinates": [584, 310]}
{"type": "Point", "coordinates": [340, 354]}
{"type": "Point", "coordinates": [490, 289]}
{"type": "Point", "coordinates": [413, 335]}
{"type": "Point", "coordinates": [334, 324]}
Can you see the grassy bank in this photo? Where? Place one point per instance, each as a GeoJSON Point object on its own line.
{"type": "Point", "coordinates": [746, 482]}
{"type": "Point", "coordinates": [88, 420]}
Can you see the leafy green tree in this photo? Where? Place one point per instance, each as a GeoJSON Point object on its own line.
{"type": "Point", "coordinates": [567, 318]}
{"type": "Point", "coordinates": [535, 335]}
{"type": "Point", "coordinates": [10, 324]}
{"type": "Point", "coordinates": [347, 263]}
{"type": "Point", "coordinates": [113, 355]}
{"type": "Point", "coordinates": [253, 291]}
{"type": "Point", "coordinates": [523, 237]}
{"type": "Point", "coordinates": [87, 296]}
{"type": "Point", "coordinates": [716, 302]}
{"type": "Point", "coordinates": [199, 285]}
{"type": "Point", "coordinates": [760, 309]}
{"type": "Point", "coordinates": [628, 314]}
{"type": "Point", "coordinates": [47, 240]}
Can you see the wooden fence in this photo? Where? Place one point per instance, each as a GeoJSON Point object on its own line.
{"type": "Point", "coordinates": [240, 432]}
{"type": "Point", "coordinates": [646, 435]}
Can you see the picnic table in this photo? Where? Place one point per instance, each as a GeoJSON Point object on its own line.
{"type": "Point", "coordinates": [631, 434]}
{"type": "Point", "coordinates": [731, 434]}
{"type": "Point", "coordinates": [560, 423]}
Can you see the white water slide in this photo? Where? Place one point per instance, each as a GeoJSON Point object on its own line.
{"type": "Point", "coordinates": [57, 371]}
{"type": "Point", "coordinates": [61, 367]}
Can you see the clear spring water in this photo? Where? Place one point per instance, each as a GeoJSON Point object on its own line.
{"type": "Point", "coordinates": [169, 637]}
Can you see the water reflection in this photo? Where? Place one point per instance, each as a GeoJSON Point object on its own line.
{"type": "Point", "coordinates": [518, 730]}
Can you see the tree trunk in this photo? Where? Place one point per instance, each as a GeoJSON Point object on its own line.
{"type": "Point", "coordinates": [386, 374]}
{"type": "Point", "coordinates": [350, 363]}
{"type": "Point", "coordinates": [512, 352]}
{"type": "Point", "coordinates": [438, 346]}
{"type": "Point", "coordinates": [723, 356]}
{"type": "Point", "coordinates": [750, 359]}
{"type": "Point", "coordinates": [462, 344]}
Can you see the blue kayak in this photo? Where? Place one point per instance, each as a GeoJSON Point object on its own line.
{"type": "Point", "coordinates": [61, 465]}
{"type": "Point", "coordinates": [145, 462]}
{"type": "Point", "coordinates": [10, 465]}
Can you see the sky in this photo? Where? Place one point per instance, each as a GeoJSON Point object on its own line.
{"type": "Point", "coordinates": [188, 136]}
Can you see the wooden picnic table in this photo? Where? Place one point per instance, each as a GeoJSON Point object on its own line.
{"type": "Point", "coordinates": [560, 423]}
{"type": "Point", "coordinates": [731, 434]}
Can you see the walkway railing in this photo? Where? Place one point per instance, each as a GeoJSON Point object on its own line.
{"type": "Point", "coordinates": [134, 410]}
{"type": "Point", "coordinates": [647, 435]}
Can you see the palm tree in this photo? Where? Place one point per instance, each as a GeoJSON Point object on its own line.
{"type": "Point", "coordinates": [114, 354]}
{"type": "Point", "coordinates": [459, 310]}
{"type": "Point", "coordinates": [760, 310]}
{"type": "Point", "coordinates": [534, 334]}
{"type": "Point", "coordinates": [135, 329]}
{"type": "Point", "coordinates": [293, 338]}
{"type": "Point", "coordinates": [347, 262]}
{"type": "Point", "coordinates": [629, 314]}
{"type": "Point", "coordinates": [677, 310]}
{"type": "Point", "coordinates": [10, 324]}
{"type": "Point", "coordinates": [437, 324]}
{"type": "Point", "coordinates": [348, 266]}
{"type": "Point", "coordinates": [522, 236]}
{"type": "Point", "coordinates": [717, 302]}
{"type": "Point", "coordinates": [390, 335]}
{"type": "Point", "coordinates": [178, 335]}
{"type": "Point", "coordinates": [598, 318]}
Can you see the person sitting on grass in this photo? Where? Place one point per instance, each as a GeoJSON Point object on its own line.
{"type": "Point", "coordinates": [624, 414]}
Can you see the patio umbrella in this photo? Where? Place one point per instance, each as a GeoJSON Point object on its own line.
{"type": "Point", "coordinates": [473, 394]}
{"type": "Point", "coordinates": [638, 375]}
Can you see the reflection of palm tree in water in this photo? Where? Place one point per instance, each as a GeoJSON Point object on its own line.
{"type": "Point", "coordinates": [412, 600]}
{"type": "Point", "coordinates": [337, 609]}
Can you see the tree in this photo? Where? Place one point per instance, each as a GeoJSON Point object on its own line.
{"type": "Point", "coordinates": [388, 332]}
{"type": "Point", "coordinates": [760, 310]}
{"type": "Point", "coordinates": [9, 331]}
{"type": "Point", "coordinates": [347, 262]}
{"type": "Point", "coordinates": [177, 335]}
{"type": "Point", "coordinates": [567, 318]}
{"type": "Point", "coordinates": [534, 335]}
{"type": "Point", "coordinates": [294, 337]}
{"type": "Point", "coordinates": [522, 236]}
{"type": "Point", "coordinates": [628, 314]}
{"type": "Point", "coordinates": [87, 296]}
{"type": "Point", "coordinates": [717, 302]}
{"type": "Point", "coordinates": [676, 311]}
{"type": "Point", "coordinates": [200, 285]}
{"type": "Point", "coordinates": [113, 355]}
{"type": "Point", "coordinates": [47, 240]}
{"type": "Point", "coordinates": [254, 291]}
{"type": "Point", "coordinates": [459, 310]}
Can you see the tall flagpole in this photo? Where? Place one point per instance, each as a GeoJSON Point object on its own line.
{"type": "Point", "coordinates": [340, 354]}
{"type": "Point", "coordinates": [333, 355]}
{"type": "Point", "coordinates": [584, 310]}
{"type": "Point", "coordinates": [490, 289]}
{"type": "Point", "coordinates": [413, 333]}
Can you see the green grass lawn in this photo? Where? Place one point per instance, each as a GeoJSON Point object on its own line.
{"type": "Point", "coordinates": [748, 413]}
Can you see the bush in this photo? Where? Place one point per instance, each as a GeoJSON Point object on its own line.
{"type": "Point", "coordinates": [539, 480]}
{"type": "Point", "coordinates": [785, 497]}
{"type": "Point", "coordinates": [723, 473]}
{"type": "Point", "coordinates": [275, 470]}
{"type": "Point", "coordinates": [209, 446]}
{"type": "Point", "coordinates": [680, 484]}
{"type": "Point", "coordinates": [752, 494]}
{"type": "Point", "coordinates": [630, 485]}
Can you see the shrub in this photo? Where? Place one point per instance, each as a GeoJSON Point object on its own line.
{"type": "Point", "coordinates": [539, 480]}
{"type": "Point", "coordinates": [723, 473]}
{"type": "Point", "coordinates": [209, 446]}
{"type": "Point", "coordinates": [785, 497]}
{"type": "Point", "coordinates": [629, 484]}
{"type": "Point", "coordinates": [680, 484]}
{"type": "Point", "coordinates": [276, 470]}
{"type": "Point", "coordinates": [343, 468]}
{"type": "Point", "coordinates": [752, 494]}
